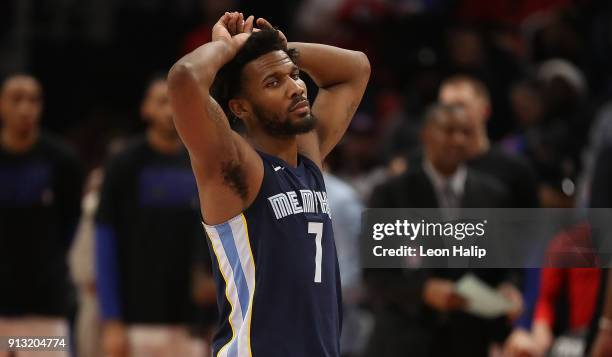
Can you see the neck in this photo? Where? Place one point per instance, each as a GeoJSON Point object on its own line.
{"type": "Point", "coordinates": [283, 148]}
{"type": "Point", "coordinates": [18, 142]}
{"type": "Point", "coordinates": [446, 172]}
{"type": "Point", "coordinates": [442, 170]}
{"type": "Point", "coordinates": [165, 143]}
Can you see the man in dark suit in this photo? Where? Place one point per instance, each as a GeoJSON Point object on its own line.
{"type": "Point", "coordinates": [443, 180]}
{"type": "Point", "coordinates": [513, 171]}
{"type": "Point", "coordinates": [418, 312]}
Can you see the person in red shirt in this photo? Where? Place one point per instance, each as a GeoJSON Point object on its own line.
{"type": "Point", "coordinates": [580, 285]}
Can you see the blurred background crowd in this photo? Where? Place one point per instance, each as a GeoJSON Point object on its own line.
{"type": "Point", "coordinates": [471, 103]}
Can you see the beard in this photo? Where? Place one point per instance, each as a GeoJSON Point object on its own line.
{"type": "Point", "coordinates": [277, 127]}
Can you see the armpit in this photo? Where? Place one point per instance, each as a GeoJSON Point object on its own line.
{"type": "Point", "coordinates": [233, 177]}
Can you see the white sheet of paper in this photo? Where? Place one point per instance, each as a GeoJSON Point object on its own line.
{"type": "Point", "coordinates": [482, 300]}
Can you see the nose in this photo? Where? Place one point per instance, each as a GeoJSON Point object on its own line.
{"type": "Point", "coordinates": [27, 112]}
{"type": "Point", "coordinates": [295, 88]}
{"type": "Point", "coordinates": [459, 138]}
{"type": "Point", "coordinates": [456, 142]}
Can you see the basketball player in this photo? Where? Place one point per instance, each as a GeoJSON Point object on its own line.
{"type": "Point", "coordinates": [147, 227]}
{"type": "Point", "coordinates": [262, 196]}
{"type": "Point", "coordinates": [41, 179]}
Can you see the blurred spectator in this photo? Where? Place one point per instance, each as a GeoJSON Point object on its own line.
{"type": "Point", "coordinates": [317, 19]}
{"type": "Point", "coordinates": [601, 198]}
{"type": "Point", "coordinates": [347, 225]}
{"type": "Point", "coordinates": [527, 101]}
{"type": "Point", "coordinates": [555, 124]}
{"type": "Point", "coordinates": [40, 193]}
{"type": "Point", "coordinates": [566, 298]}
{"type": "Point", "coordinates": [147, 229]}
{"type": "Point", "coordinates": [444, 180]}
{"type": "Point", "coordinates": [580, 286]}
{"type": "Point", "coordinates": [512, 171]}
{"type": "Point", "coordinates": [555, 34]}
{"type": "Point", "coordinates": [82, 268]}
{"type": "Point", "coordinates": [346, 209]}
{"type": "Point", "coordinates": [473, 51]}
{"type": "Point", "coordinates": [417, 311]}
{"type": "Point", "coordinates": [603, 342]}
{"type": "Point", "coordinates": [600, 136]}
{"type": "Point", "coordinates": [559, 139]}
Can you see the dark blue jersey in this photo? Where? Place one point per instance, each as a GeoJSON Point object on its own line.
{"type": "Point", "coordinates": [278, 282]}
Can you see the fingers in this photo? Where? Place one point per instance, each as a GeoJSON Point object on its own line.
{"type": "Point", "coordinates": [232, 24]}
{"type": "Point", "coordinates": [264, 24]}
{"type": "Point", "coordinates": [240, 24]}
{"type": "Point", "coordinates": [235, 23]}
{"type": "Point", "coordinates": [223, 19]}
{"type": "Point", "coordinates": [248, 24]}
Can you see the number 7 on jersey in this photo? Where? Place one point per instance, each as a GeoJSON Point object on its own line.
{"type": "Point", "coordinates": [316, 228]}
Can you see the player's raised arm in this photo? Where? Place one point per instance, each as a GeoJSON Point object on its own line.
{"type": "Point", "coordinates": [199, 119]}
{"type": "Point", "coordinates": [342, 76]}
{"type": "Point", "coordinates": [224, 165]}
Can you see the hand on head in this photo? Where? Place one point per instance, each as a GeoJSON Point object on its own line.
{"type": "Point", "coordinates": [264, 24]}
{"type": "Point", "coordinates": [232, 27]}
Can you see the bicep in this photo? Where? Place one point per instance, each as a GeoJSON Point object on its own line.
{"type": "Point", "coordinates": [200, 122]}
{"type": "Point", "coordinates": [334, 108]}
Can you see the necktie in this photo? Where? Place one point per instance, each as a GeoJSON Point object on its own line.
{"type": "Point", "coordinates": [449, 198]}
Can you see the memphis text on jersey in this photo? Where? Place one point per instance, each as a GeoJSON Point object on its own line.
{"type": "Point", "coordinates": [287, 203]}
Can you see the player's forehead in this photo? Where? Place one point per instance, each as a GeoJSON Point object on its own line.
{"type": "Point", "coordinates": [271, 62]}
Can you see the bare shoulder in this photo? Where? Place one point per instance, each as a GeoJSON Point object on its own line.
{"type": "Point", "coordinates": [233, 186]}
{"type": "Point", "coordinates": [308, 145]}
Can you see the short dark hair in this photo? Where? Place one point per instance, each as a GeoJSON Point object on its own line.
{"type": "Point", "coordinates": [228, 82]}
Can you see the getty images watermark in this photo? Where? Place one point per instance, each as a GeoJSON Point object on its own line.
{"type": "Point", "coordinates": [405, 229]}
{"type": "Point", "coordinates": [486, 238]}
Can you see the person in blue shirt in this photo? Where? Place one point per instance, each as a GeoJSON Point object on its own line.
{"type": "Point", "coordinates": [147, 233]}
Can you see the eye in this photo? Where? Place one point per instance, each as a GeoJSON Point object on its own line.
{"type": "Point", "coordinates": [272, 84]}
{"type": "Point", "coordinates": [295, 76]}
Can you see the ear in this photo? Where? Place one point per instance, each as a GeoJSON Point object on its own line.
{"type": "Point", "coordinates": [486, 111]}
{"type": "Point", "coordinates": [238, 107]}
